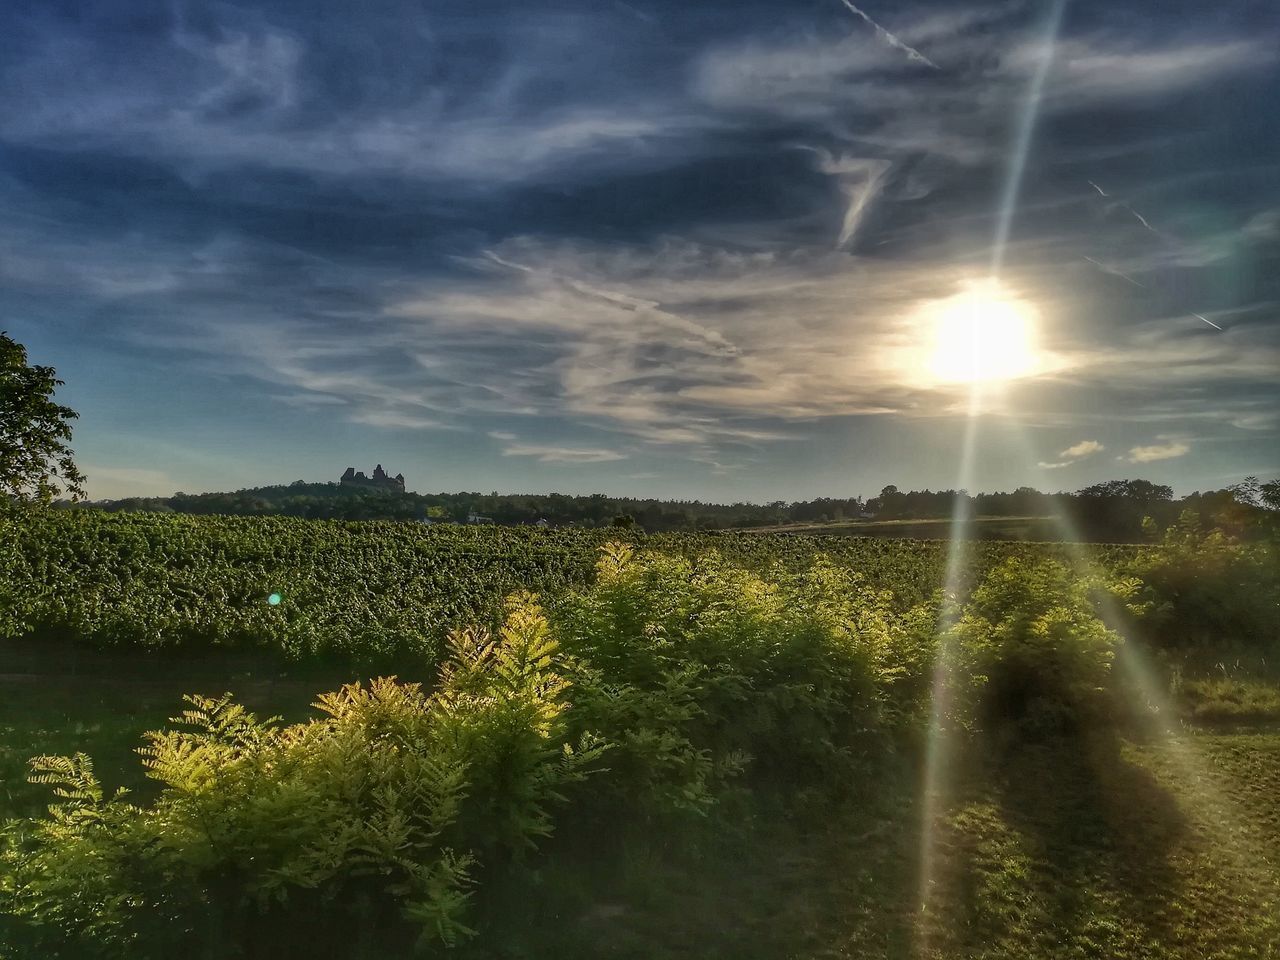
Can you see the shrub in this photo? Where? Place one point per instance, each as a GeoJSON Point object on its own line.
{"type": "Point", "coordinates": [698, 671]}
{"type": "Point", "coordinates": [1208, 594]}
{"type": "Point", "coordinates": [346, 835]}
{"type": "Point", "coordinates": [1031, 648]}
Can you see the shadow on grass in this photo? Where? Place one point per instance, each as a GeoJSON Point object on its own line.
{"type": "Point", "coordinates": [1059, 846]}
{"type": "Point", "coordinates": [838, 880]}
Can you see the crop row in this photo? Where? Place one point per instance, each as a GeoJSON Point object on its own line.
{"type": "Point", "coordinates": [364, 592]}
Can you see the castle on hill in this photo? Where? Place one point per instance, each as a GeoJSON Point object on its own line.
{"type": "Point", "coordinates": [379, 480]}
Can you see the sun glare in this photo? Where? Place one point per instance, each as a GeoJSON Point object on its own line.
{"type": "Point", "coordinates": [982, 336]}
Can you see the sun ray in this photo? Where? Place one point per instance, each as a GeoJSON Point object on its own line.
{"type": "Point", "coordinates": [934, 787]}
{"type": "Point", "coordinates": [1022, 137]}
{"type": "Point", "coordinates": [933, 790]}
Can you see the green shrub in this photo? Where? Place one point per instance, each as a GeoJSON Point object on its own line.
{"type": "Point", "coordinates": [1032, 648]}
{"type": "Point", "coordinates": [698, 671]}
{"type": "Point", "coordinates": [347, 835]}
{"type": "Point", "coordinates": [1209, 595]}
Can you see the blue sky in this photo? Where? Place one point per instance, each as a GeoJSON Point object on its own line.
{"type": "Point", "coordinates": [643, 247]}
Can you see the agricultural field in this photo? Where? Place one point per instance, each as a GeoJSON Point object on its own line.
{"type": "Point", "coordinates": [680, 746]}
{"type": "Point", "coordinates": [1038, 529]}
{"type": "Point", "coordinates": [366, 593]}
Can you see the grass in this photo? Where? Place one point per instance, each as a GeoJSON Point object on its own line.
{"type": "Point", "coordinates": [1229, 700]}
{"type": "Point", "coordinates": [105, 719]}
{"type": "Point", "coordinates": [1068, 850]}
{"type": "Point", "coordinates": [1107, 848]}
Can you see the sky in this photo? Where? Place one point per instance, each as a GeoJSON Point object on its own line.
{"type": "Point", "coordinates": [644, 247]}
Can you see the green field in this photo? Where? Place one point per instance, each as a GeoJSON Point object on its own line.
{"type": "Point", "coordinates": [366, 593]}
{"type": "Point", "coordinates": [1102, 784]}
{"type": "Point", "coordinates": [1034, 529]}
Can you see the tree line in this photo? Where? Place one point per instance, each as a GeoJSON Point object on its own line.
{"type": "Point", "coordinates": [1114, 510]}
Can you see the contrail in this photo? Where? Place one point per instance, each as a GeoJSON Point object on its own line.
{"type": "Point", "coordinates": [1141, 219]}
{"type": "Point", "coordinates": [890, 39]}
{"type": "Point", "coordinates": [1120, 203]}
{"type": "Point", "coordinates": [1116, 273]}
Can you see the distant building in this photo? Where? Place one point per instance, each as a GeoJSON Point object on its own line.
{"type": "Point", "coordinates": [379, 480]}
{"type": "Point", "coordinates": [474, 517]}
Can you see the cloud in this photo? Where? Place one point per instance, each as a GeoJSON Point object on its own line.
{"type": "Point", "coordinates": [253, 94]}
{"type": "Point", "coordinates": [860, 179]}
{"type": "Point", "coordinates": [1093, 70]}
{"type": "Point", "coordinates": [850, 86]}
{"type": "Point", "coordinates": [1264, 226]}
{"type": "Point", "coordinates": [497, 227]}
{"type": "Point", "coordinates": [395, 420]}
{"type": "Point", "coordinates": [553, 454]}
{"type": "Point", "coordinates": [1082, 449]}
{"type": "Point", "coordinates": [1074, 454]}
{"type": "Point", "coordinates": [310, 401]}
{"type": "Point", "coordinates": [1159, 451]}
{"type": "Point", "coordinates": [718, 351]}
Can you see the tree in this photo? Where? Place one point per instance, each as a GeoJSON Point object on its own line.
{"type": "Point", "coordinates": [35, 462]}
{"type": "Point", "coordinates": [1269, 493]}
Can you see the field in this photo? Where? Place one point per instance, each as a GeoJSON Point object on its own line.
{"type": "Point", "coordinates": [753, 723]}
{"type": "Point", "coordinates": [1036, 529]}
{"type": "Point", "coordinates": [366, 593]}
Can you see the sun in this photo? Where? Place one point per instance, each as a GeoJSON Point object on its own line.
{"type": "Point", "coordinates": [983, 335]}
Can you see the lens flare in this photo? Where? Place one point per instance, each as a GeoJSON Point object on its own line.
{"type": "Point", "coordinates": [274, 599]}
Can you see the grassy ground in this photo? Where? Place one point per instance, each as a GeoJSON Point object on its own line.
{"type": "Point", "coordinates": [104, 718]}
{"type": "Point", "coordinates": [1167, 847]}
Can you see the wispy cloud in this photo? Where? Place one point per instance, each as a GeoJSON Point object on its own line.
{"type": "Point", "coordinates": [310, 401]}
{"type": "Point", "coordinates": [1082, 449]}
{"type": "Point", "coordinates": [395, 419]}
{"type": "Point", "coordinates": [860, 179]}
{"type": "Point", "coordinates": [1091, 70]}
{"type": "Point", "coordinates": [549, 453]}
{"type": "Point", "coordinates": [1074, 454]}
{"type": "Point", "coordinates": [255, 95]}
{"type": "Point", "coordinates": [1159, 451]}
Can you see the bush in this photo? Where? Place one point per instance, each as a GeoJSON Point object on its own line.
{"type": "Point", "coordinates": [349, 835]}
{"type": "Point", "coordinates": [1031, 649]}
{"type": "Point", "coordinates": [1210, 595]}
{"type": "Point", "coordinates": [699, 671]}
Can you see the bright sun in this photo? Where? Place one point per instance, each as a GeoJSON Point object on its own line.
{"type": "Point", "coordinates": [982, 336]}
